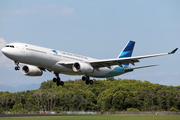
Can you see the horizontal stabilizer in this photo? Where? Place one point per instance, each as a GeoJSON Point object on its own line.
{"type": "Point", "coordinates": [129, 69]}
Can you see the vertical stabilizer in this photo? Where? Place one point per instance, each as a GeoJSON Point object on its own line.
{"type": "Point", "coordinates": [127, 51]}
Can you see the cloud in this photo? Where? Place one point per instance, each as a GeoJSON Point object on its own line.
{"type": "Point", "coordinates": [176, 73]}
{"type": "Point", "coordinates": [68, 11]}
{"type": "Point", "coordinates": [2, 57]}
{"type": "Point", "coordinates": [1, 82]}
{"type": "Point", "coordinates": [45, 10]}
{"type": "Point", "coordinates": [2, 43]}
{"type": "Point", "coordinates": [4, 61]}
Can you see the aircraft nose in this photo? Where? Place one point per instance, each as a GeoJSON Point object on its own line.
{"type": "Point", "coordinates": [5, 51]}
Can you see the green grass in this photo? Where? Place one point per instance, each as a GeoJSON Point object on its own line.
{"type": "Point", "coordinates": [100, 117]}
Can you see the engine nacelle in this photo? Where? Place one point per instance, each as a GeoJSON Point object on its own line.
{"type": "Point", "coordinates": [30, 70]}
{"type": "Point", "coordinates": [82, 67]}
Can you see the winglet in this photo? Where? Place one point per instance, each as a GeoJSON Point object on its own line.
{"type": "Point", "coordinates": [172, 52]}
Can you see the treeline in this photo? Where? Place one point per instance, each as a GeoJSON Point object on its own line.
{"type": "Point", "coordinates": [107, 95]}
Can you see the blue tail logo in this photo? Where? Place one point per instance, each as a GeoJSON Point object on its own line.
{"type": "Point", "coordinates": [127, 51]}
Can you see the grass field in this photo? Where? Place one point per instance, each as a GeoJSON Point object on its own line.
{"type": "Point", "coordinates": [99, 117]}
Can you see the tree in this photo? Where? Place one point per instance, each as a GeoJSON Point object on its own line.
{"type": "Point", "coordinates": [174, 109]}
{"type": "Point", "coordinates": [110, 95]}
{"type": "Point", "coordinates": [1, 111]}
{"type": "Point", "coordinates": [132, 109]}
{"type": "Point", "coordinates": [18, 107]}
{"type": "Point", "coordinates": [110, 79]}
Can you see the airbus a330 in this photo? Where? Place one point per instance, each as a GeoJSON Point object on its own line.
{"type": "Point", "coordinates": [39, 59]}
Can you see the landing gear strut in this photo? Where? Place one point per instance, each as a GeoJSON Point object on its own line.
{"type": "Point", "coordinates": [87, 79]}
{"type": "Point", "coordinates": [58, 80]}
{"type": "Point", "coordinates": [17, 65]}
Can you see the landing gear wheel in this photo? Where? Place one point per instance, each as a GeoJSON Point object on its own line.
{"type": "Point", "coordinates": [58, 80]}
{"type": "Point", "coordinates": [62, 83]}
{"type": "Point", "coordinates": [87, 82]}
{"type": "Point", "coordinates": [84, 78]}
{"type": "Point", "coordinates": [57, 83]}
{"type": "Point", "coordinates": [17, 63]}
{"type": "Point", "coordinates": [87, 79]}
{"type": "Point", "coordinates": [17, 68]}
{"type": "Point", "coordinates": [54, 79]}
{"type": "Point", "coordinates": [91, 82]}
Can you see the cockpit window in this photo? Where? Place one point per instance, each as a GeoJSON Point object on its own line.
{"type": "Point", "coordinates": [10, 46]}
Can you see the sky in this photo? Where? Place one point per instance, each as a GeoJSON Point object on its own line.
{"type": "Point", "coordinates": [94, 28]}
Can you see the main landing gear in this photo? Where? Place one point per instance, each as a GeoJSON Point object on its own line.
{"type": "Point", "coordinates": [87, 79]}
{"type": "Point", "coordinates": [17, 65]}
{"type": "Point", "coordinates": [58, 80]}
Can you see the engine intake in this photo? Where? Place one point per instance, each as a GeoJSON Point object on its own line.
{"type": "Point", "coordinates": [30, 70]}
{"type": "Point", "coordinates": [82, 67]}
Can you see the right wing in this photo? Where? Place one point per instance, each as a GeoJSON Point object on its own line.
{"type": "Point", "coordinates": [118, 61]}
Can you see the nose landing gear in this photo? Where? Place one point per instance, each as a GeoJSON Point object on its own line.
{"type": "Point", "coordinates": [17, 65]}
{"type": "Point", "coordinates": [58, 80]}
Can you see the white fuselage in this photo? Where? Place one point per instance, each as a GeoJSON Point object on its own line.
{"type": "Point", "coordinates": [50, 59]}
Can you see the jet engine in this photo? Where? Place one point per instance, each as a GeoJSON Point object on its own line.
{"type": "Point", "coordinates": [82, 67]}
{"type": "Point", "coordinates": [30, 70]}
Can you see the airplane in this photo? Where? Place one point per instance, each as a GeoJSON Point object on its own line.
{"type": "Point", "coordinates": [38, 59]}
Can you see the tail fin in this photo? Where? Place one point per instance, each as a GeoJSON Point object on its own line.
{"type": "Point", "coordinates": [127, 51]}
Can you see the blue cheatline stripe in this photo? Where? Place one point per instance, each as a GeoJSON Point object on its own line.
{"type": "Point", "coordinates": [115, 72]}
